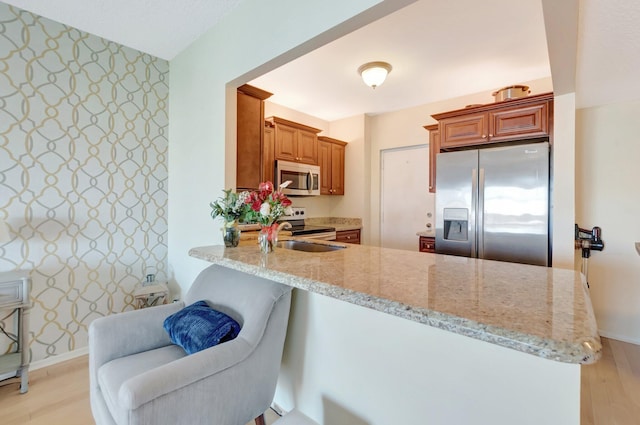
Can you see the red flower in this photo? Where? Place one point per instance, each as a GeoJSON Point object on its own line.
{"type": "Point", "coordinates": [266, 187]}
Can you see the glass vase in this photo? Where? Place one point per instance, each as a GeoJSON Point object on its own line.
{"type": "Point", "coordinates": [231, 234]}
{"type": "Point", "coordinates": [267, 238]}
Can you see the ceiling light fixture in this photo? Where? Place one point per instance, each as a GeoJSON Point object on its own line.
{"type": "Point", "coordinates": [374, 73]}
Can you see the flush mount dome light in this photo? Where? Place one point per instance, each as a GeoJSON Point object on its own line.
{"type": "Point", "coordinates": [374, 73]}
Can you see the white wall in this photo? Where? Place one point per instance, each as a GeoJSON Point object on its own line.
{"type": "Point", "coordinates": [244, 45]}
{"type": "Point", "coordinates": [354, 203]}
{"type": "Point", "coordinates": [274, 110]}
{"type": "Point", "coordinates": [607, 195]}
{"type": "Point", "coordinates": [563, 189]}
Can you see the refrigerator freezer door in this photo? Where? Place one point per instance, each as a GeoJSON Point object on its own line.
{"type": "Point", "coordinates": [514, 197]}
{"type": "Point", "coordinates": [456, 197]}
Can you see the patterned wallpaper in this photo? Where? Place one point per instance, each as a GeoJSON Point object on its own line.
{"type": "Point", "coordinates": [83, 173]}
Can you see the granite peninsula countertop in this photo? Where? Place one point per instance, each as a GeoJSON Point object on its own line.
{"type": "Point", "coordinates": [542, 311]}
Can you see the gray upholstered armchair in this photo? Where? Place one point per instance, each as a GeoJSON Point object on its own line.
{"type": "Point", "coordinates": [137, 376]}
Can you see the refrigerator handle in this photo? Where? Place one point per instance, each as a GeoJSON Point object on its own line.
{"type": "Point", "coordinates": [472, 217]}
{"type": "Point", "coordinates": [480, 226]}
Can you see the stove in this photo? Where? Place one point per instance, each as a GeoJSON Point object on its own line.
{"type": "Point", "coordinates": [299, 228]}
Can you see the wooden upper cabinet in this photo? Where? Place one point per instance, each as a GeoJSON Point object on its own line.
{"type": "Point", "coordinates": [295, 142]}
{"type": "Point", "coordinates": [249, 127]}
{"type": "Point", "coordinates": [308, 147]}
{"type": "Point", "coordinates": [268, 153]}
{"type": "Point", "coordinates": [331, 154]}
{"type": "Point", "coordinates": [324, 161]}
{"type": "Point", "coordinates": [529, 121]}
{"type": "Point", "coordinates": [337, 169]}
{"type": "Point", "coordinates": [434, 150]}
{"type": "Point", "coordinates": [511, 120]}
{"type": "Point", "coordinates": [464, 131]}
{"type": "Point", "coordinates": [286, 147]}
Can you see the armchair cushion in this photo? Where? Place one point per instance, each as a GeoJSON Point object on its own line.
{"type": "Point", "coordinates": [198, 326]}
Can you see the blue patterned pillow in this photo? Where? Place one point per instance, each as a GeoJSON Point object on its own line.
{"type": "Point", "coordinates": [198, 326]}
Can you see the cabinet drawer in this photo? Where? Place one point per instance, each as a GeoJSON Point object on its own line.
{"type": "Point", "coordinates": [11, 294]}
{"type": "Point", "coordinates": [427, 244]}
{"type": "Point", "coordinates": [348, 236]}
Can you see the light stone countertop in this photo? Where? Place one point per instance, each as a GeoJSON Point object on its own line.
{"type": "Point", "coordinates": [339, 223]}
{"type": "Point", "coordinates": [542, 311]}
{"type": "Point", "coordinates": [427, 233]}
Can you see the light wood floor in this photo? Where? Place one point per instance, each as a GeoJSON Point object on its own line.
{"type": "Point", "coordinates": [60, 394]}
{"type": "Point", "coordinates": [611, 387]}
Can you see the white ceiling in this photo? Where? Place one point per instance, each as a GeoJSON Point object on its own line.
{"type": "Point", "coordinates": [162, 28]}
{"type": "Point", "coordinates": [439, 49]}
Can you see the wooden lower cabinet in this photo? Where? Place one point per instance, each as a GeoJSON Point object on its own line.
{"type": "Point", "coordinates": [348, 236]}
{"type": "Point", "coordinates": [427, 244]}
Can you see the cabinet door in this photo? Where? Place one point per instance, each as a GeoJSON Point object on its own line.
{"type": "Point", "coordinates": [268, 154]}
{"type": "Point", "coordinates": [464, 130]}
{"type": "Point", "coordinates": [324, 161]}
{"type": "Point", "coordinates": [434, 150]}
{"type": "Point", "coordinates": [307, 151]}
{"type": "Point", "coordinates": [250, 123]}
{"type": "Point", "coordinates": [337, 169]}
{"type": "Point", "coordinates": [427, 244]}
{"type": "Point", "coordinates": [286, 143]}
{"type": "Point", "coordinates": [348, 236]}
{"type": "Point", "coordinates": [522, 123]}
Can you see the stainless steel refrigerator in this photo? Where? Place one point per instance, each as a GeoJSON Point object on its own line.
{"type": "Point", "coordinates": [494, 203]}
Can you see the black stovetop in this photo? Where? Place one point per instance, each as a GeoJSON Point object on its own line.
{"type": "Point", "coordinates": [303, 229]}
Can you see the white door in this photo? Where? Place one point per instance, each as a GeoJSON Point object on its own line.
{"type": "Point", "coordinates": [405, 198]}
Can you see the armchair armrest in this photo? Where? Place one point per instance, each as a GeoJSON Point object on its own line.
{"type": "Point", "coordinates": [179, 374]}
{"type": "Point", "coordinates": [127, 333]}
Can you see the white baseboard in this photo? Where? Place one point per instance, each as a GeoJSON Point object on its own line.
{"type": "Point", "coordinates": [622, 338]}
{"type": "Point", "coordinates": [50, 361]}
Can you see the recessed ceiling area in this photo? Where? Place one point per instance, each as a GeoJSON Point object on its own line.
{"type": "Point", "coordinates": [439, 50]}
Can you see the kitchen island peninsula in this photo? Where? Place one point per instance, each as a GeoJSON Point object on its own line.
{"type": "Point", "coordinates": [503, 345]}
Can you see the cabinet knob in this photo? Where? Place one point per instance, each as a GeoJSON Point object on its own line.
{"type": "Point", "coordinates": [348, 237]}
{"type": "Point", "coordinates": [490, 135]}
{"type": "Point", "coordinates": [484, 136]}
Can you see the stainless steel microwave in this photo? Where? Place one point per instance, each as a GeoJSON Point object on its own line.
{"type": "Point", "coordinates": [305, 178]}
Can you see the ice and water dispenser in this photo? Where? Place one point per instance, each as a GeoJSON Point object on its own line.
{"type": "Point", "coordinates": [456, 224]}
